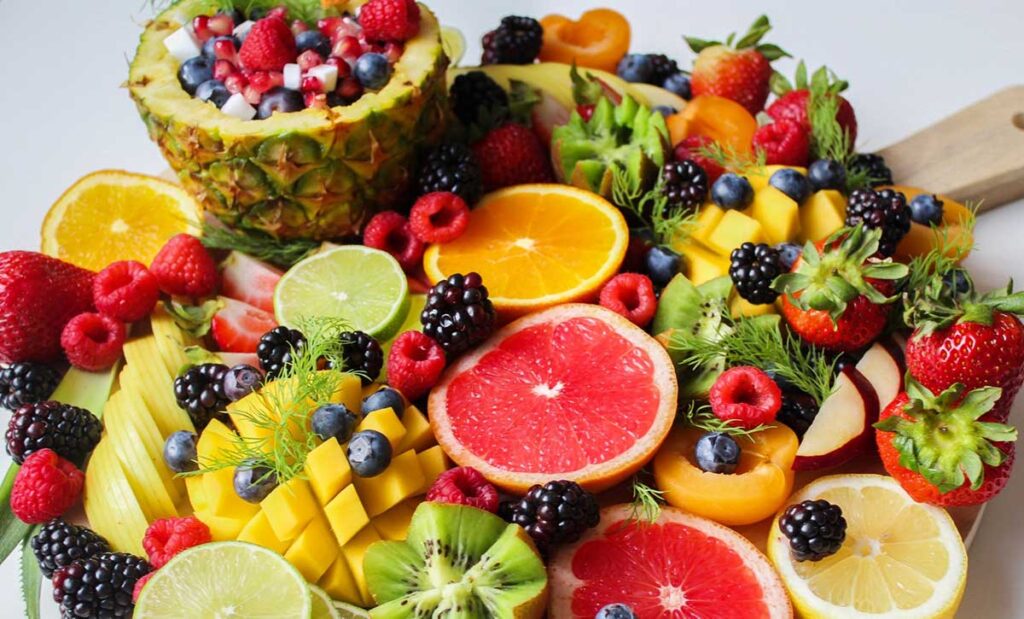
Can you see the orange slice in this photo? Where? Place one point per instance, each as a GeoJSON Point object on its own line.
{"type": "Point", "coordinates": [114, 215]}
{"type": "Point", "coordinates": [536, 246]}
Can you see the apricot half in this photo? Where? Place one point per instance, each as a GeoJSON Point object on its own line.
{"type": "Point", "coordinates": [922, 239]}
{"type": "Point", "coordinates": [723, 120]}
{"type": "Point", "coordinates": [599, 39]}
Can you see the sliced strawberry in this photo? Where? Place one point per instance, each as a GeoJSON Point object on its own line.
{"type": "Point", "coordinates": [246, 279]}
{"type": "Point", "coordinates": [238, 326]}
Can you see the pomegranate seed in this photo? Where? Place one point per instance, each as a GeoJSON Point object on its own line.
{"type": "Point", "coordinates": [347, 47]}
{"type": "Point", "coordinates": [276, 79]}
{"type": "Point", "coordinates": [393, 51]}
{"type": "Point", "coordinates": [344, 69]}
{"type": "Point", "coordinates": [260, 82]}
{"type": "Point", "coordinates": [280, 12]}
{"type": "Point", "coordinates": [221, 25]}
{"type": "Point", "coordinates": [312, 84]}
{"type": "Point", "coordinates": [235, 83]}
{"type": "Point", "coordinates": [225, 50]}
{"type": "Point", "coordinates": [370, 46]}
{"type": "Point", "coordinates": [316, 100]}
{"type": "Point", "coordinates": [201, 26]}
{"type": "Point", "coordinates": [309, 59]}
{"type": "Point", "coordinates": [349, 89]}
{"type": "Point", "coordinates": [252, 96]}
{"type": "Point", "coordinates": [222, 69]}
{"type": "Point", "coordinates": [298, 27]}
{"type": "Point", "coordinates": [328, 26]}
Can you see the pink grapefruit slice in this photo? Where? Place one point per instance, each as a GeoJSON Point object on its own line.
{"type": "Point", "coordinates": [679, 567]}
{"type": "Point", "coordinates": [573, 392]}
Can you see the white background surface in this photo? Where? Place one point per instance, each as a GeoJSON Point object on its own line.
{"type": "Point", "coordinates": [63, 113]}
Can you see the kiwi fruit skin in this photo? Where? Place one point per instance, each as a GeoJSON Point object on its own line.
{"type": "Point", "coordinates": [426, 575]}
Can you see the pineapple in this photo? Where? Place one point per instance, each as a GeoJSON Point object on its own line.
{"type": "Point", "coordinates": [315, 174]}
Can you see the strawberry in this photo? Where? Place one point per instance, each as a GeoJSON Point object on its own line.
{"type": "Point", "coordinates": [38, 296]}
{"type": "Point", "coordinates": [237, 327]}
{"type": "Point", "coordinates": [390, 20]}
{"type": "Point", "coordinates": [269, 45]}
{"type": "Point", "coordinates": [792, 103]}
{"type": "Point", "coordinates": [739, 71]}
{"type": "Point", "coordinates": [835, 297]}
{"type": "Point", "coordinates": [690, 148]}
{"type": "Point", "coordinates": [944, 449]}
{"type": "Point", "coordinates": [246, 279]}
{"type": "Point", "coordinates": [512, 155]}
{"type": "Point", "coordinates": [784, 142]}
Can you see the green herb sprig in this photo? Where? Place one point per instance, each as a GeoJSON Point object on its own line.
{"type": "Point", "coordinates": [730, 160]}
{"type": "Point", "coordinates": [280, 252]}
{"type": "Point", "coordinates": [701, 417]}
{"type": "Point", "coordinates": [669, 226]}
{"type": "Point", "coordinates": [646, 505]}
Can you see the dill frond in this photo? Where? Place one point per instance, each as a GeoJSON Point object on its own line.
{"type": "Point", "coordinates": [283, 253]}
{"type": "Point", "coordinates": [668, 225]}
{"type": "Point", "coordinates": [701, 417]}
{"type": "Point", "coordinates": [646, 505]}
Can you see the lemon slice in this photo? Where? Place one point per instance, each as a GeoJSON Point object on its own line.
{"type": "Point", "coordinates": [901, 559]}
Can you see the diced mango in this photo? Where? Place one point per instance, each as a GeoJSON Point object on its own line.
{"type": "Point", "coordinates": [222, 528]}
{"type": "Point", "coordinates": [290, 507]}
{"type": "Point", "coordinates": [708, 218]}
{"type": "Point", "coordinates": [822, 213]}
{"type": "Point", "coordinates": [759, 178]}
{"type": "Point", "coordinates": [328, 470]}
{"type": "Point", "coordinates": [734, 230]}
{"type": "Point", "coordinates": [418, 435]}
{"type": "Point", "coordinates": [778, 214]}
{"type": "Point", "coordinates": [219, 485]}
{"type": "Point", "coordinates": [354, 551]}
{"type": "Point", "coordinates": [196, 492]}
{"type": "Point", "coordinates": [340, 584]}
{"type": "Point", "coordinates": [387, 423]}
{"type": "Point", "coordinates": [244, 414]}
{"type": "Point", "coordinates": [741, 307]}
{"type": "Point", "coordinates": [702, 265]}
{"type": "Point", "coordinates": [313, 550]}
{"type": "Point", "coordinates": [349, 392]}
{"type": "Point", "coordinates": [258, 531]}
{"type": "Point", "coordinates": [402, 479]}
{"type": "Point", "coordinates": [394, 523]}
{"type": "Point", "coordinates": [346, 515]}
{"type": "Point", "coordinates": [433, 461]}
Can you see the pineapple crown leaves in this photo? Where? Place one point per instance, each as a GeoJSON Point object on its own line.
{"type": "Point", "coordinates": [751, 39]}
{"type": "Point", "coordinates": [194, 319]}
{"type": "Point", "coordinates": [829, 280]}
{"type": "Point", "coordinates": [943, 438]}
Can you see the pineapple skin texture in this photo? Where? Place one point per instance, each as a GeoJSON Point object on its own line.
{"type": "Point", "coordinates": [316, 174]}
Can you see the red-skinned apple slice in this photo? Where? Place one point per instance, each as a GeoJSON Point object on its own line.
{"type": "Point", "coordinates": [882, 365]}
{"type": "Point", "coordinates": [842, 429]}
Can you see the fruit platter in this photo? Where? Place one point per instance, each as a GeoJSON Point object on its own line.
{"type": "Point", "coordinates": [574, 329]}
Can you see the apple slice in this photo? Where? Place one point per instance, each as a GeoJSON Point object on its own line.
{"type": "Point", "coordinates": [882, 365]}
{"type": "Point", "coordinates": [842, 429]}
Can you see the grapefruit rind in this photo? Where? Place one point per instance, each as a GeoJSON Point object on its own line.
{"type": "Point", "coordinates": [595, 477]}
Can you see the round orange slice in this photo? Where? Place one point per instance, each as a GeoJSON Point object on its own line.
{"type": "Point", "coordinates": [114, 215]}
{"type": "Point", "coordinates": [536, 246]}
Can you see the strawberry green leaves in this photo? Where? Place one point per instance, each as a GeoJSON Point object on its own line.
{"type": "Point", "coordinates": [751, 39]}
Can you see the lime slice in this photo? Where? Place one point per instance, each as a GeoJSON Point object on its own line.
{"type": "Point", "coordinates": [348, 611]}
{"type": "Point", "coordinates": [453, 43]}
{"type": "Point", "coordinates": [361, 285]}
{"type": "Point", "coordinates": [226, 579]}
{"type": "Point", "coordinates": [323, 605]}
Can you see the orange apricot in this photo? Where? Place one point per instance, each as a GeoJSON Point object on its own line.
{"type": "Point", "coordinates": [599, 39]}
{"type": "Point", "coordinates": [723, 120]}
{"type": "Point", "coordinates": [953, 232]}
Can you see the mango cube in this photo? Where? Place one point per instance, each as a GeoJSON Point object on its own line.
{"type": "Point", "coordinates": [402, 479]}
{"type": "Point", "coordinates": [741, 307]}
{"type": "Point", "coordinates": [734, 230]}
{"type": "Point", "coordinates": [823, 213]}
{"type": "Point", "coordinates": [346, 515]}
{"type": "Point", "coordinates": [708, 218]}
{"type": "Point", "coordinates": [328, 470]}
{"type": "Point", "coordinates": [387, 423]}
{"type": "Point", "coordinates": [433, 462]}
{"type": "Point", "coordinates": [349, 392]}
{"type": "Point", "coordinates": [703, 265]}
{"type": "Point", "coordinates": [340, 583]}
{"type": "Point", "coordinates": [394, 524]}
{"type": "Point", "coordinates": [313, 550]}
{"type": "Point", "coordinates": [196, 492]}
{"type": "Point", "coordinates": [418, 435]}
{"type": "Point", "coordinates": [246, 411]}
{"type": "Point", "coordinates": [258, 531]}
{"type": "Point", "coordinates": [219, 485]}
{"type": "Point", "coordinates": [222, 528]}
{"type": "Point", "coordinates": [778, 214]}
{"type": "Point", "coordinates": [354, 551]}
{"type": "Point", "coordinates": [290, 507]}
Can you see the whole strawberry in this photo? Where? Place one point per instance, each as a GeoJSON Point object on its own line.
{"type": "Point", "coordinates": [512, 155]}
{"type": "Point", "coordinates": [793, 101]}
{"type": "Point", "coordinates": [38, 296]}
{"type": "Point", "coordinates": [944, 449]}
{"type": "Point", "coordinates": [835, 297]}
{"type": "Point", "coordinates": [269, 45]}
{"type": "Point", "coordinates": [740, 71]}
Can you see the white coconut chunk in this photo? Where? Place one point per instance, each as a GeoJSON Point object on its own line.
{"type": "Point", "coordinates": [292, 76]}
{"type": "Point", "coordinates": [327, 74]}
{"type": "Point", "coordinates": [242, 30]}
{"type": "Point", "coordinates": [182, 44]}
{"type": "Point", "coordinates": [237, 106]}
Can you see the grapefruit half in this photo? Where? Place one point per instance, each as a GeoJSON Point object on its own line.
{"type": "Point", "coordinates": [681, 567]}
{"type": "Point", "coordinates": [573, 392]}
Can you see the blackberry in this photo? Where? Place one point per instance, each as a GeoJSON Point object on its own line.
{"type": "Point", "coordinates": [684, 183]}
{"type": "Point", "coordinates": [873, 166]}
{"type": "Point", "coordinates": [475, 95]}
{"type": "Point", "coordinates": [885, 210]}
{"type": "Point", "coordinates": [26, 383]}
{"type": "Point", "coordinates": [70, 431]}
{"type": "Point", "coordinates": [815, 529]}
{"type": "Point", "coordinates": [275, 349]}
{"type": "Point", "coordinates": [516, 41]}
{"type": "Point", "coordinates": [458, 315]}
{"type": "Point", "coordinates": [556, 513]}
{"type": "Point", "coordinates": [663, 68]}
{"type": "Point", "coordinates": [451, 167]}
{"type": "Point", "coordinates": [753, 268]}
{"type": "Point", "coordinates": [59, 543]}
{"type": "Point", "coordinates": [798, 411]}
{"type": "Point", "coordinates": [100, 586]}
{"type": "Point", "coordinates": [200, 391]}
{"type": "Point", "coordinates": [363, 354]}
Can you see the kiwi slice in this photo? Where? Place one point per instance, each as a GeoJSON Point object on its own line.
{"type": "Point", "coordinates": [457, 562]}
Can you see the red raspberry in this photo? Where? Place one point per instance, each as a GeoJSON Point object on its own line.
{"type": "Point", "coordinates": [631, 295]}
{"type": "Point", "coordinates": [512, 155]}
{"type": "Point", "coordinates": [139, 584]}
{"type": "Point", "coordinates": [169, 536]}
{"type": "Point", "coordinates": [690, 149]}
{"type": "Point", "coordinates": [93, 341]}
{"type": "Point", "coordinates": [45, 487]}
{"type": "Point", "coordinates": [464, 485]}
{"type": "Point", "coordinates": [746, 396]}
{"type": "Point", "coordinates": [784, 142]}
{"type": "Point", "coordinates": [269, 45]}
{"type": "Point", "coordinates": [184, 267]}
{"type": "Point", "coordinates": [126, 291]}
{"type": "Point", "coordinates": [391, 232]}
{"type": "Point", "coordinates": [439, 217]}
{"type": "Point", "coordinates": [793, 106]}
{"type": "Point", "coordinates": [414, 364]}
{"type": "Point", "coordinates": [390, 20]}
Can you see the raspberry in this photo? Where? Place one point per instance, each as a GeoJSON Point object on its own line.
{"type": "Point", "coordinates": [125, 290]}
{"type": "Point", "coordinates": [390, 231]}
{"type": "Point", "coordinates": [269, 45]}
{"type": "Point", "coordinates": [93, 341]}
{"type": "Point", "coordinates": [169, 536]}
{"type": "Point", "coordinates": [414, 364]}
{"type": "Point", "coordinates": [390, 20]}
{"type": "Point", "coordinates": [439, 217]}
{"type": "Point", "coordinates": [745, 395]}
{"type": "Point", "coordinates": [784, 142]}
{"type": "Point", "coordinates": [45, 487]}
{"type": "Point", "coordinates": [631, 295]}
{"type": "Point", "coordinates": [512, 155]}
{"type": "Point", "coordinates": [184, 267]}
{"type": "Point", "coordinates": [139, 584]}
{"type": "Point", "coordinates": [464, 485]}
{"type": "Point", "coordinates": [690, 149]}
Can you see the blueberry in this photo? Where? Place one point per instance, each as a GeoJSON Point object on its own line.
{"type": "Point", "coordinates": [783, 384]}
{"type": "Point", "coordinates": [615, 611]}
{"type": "Point", "coordinates": [194, 72]}
{"type": "Point", "coordinates": [208, 46]}
{"type": "Point", "coordinates": [253, 482]}
{"type": "Point", "coordinates": [789, 253]}
{"type": "Point", "coordinates": [661, 264]}
{"type": "Point", "coordinates": [180, 452]}
{"type": "Point", "coordinates": [717, 453]}
{"type": "Point", "coordinates": [240, 381]}
{"type": "Point", "coordinates": [678, 83]}
{"type": "Point", "coordinates": [334, 420]}
{"type": "Point", "coordinates": [314, 40]}
{"type": "Point", "coordinates": [372, 70]}
{"type": "Point", "coordinates": [792, 183]}
{"type": "Point", "coordinates": [280, 99]}
{"type": "Point", "coordinates": [732, 191]}
{"type": "Point", "coordinates": [956, 282]}
{"type": "Point", "coordinates": [926, 209]}
{"type": "Point", "coordinates": [369, 453]}
{"type": "Point", "coordinates": [636, 68]}
{"type": "Point", "coordinates": [827, 174]}
{"type": "Point", "coordinates": [386, 397]}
